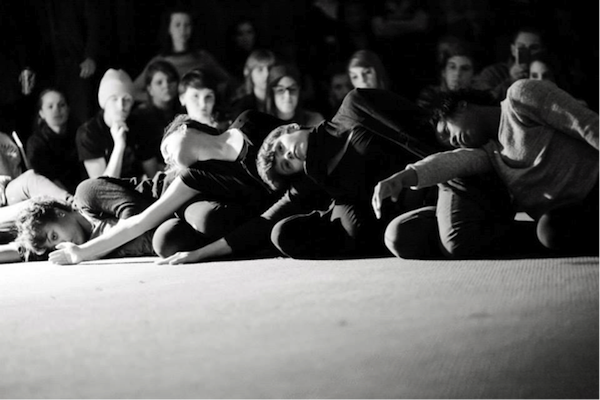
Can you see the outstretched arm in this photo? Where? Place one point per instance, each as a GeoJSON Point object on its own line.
{"type": "Point", "coordinates": [126, 230]}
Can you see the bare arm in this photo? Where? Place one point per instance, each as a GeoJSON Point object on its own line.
{"type": "Point", "coordinates": [126, 230]}
{"type": "Point", "coordinates": [98, 167]}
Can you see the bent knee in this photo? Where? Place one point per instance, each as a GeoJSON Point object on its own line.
{"type": "Point", "coordinates": [413, 235]}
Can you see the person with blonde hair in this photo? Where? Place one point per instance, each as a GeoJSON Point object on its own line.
{"type": "Point", "coordinates": [251, 95]}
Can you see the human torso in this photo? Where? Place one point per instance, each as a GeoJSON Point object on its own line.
{"type": "Point", "coordinates": [541, 165]}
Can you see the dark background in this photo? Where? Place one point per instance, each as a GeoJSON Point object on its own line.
{"type": "Point", "coordinates": [129, 30]}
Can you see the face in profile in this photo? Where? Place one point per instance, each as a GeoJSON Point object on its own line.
{"type": "Point", "coordinates": [54, 109]}
{"type": "Point", "coordinates": [180, 27]}
{"type": "Point", "coordinates": [286, 94]}
{"type": "Point", "coordinates": [162, 88]}
{"type": "Point", "coordinates": [458, 72]}
{"type": "Point", "coordinates": [290, 152]}
{"type": "Point", "coordinates": [118, 107]}
{"type": "Point", "coordinates": [363, 77]}
{"type": "Point", "coordinates": [199, 104]}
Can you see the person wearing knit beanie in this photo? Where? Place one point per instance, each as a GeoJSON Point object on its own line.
{"type": "Point", "coordinates": [105, 144]}
{"type": "Point", "coordinates": [114, 82]}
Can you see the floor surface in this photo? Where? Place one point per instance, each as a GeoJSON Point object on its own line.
{"type": "Point", "coordinates": [282, 328]}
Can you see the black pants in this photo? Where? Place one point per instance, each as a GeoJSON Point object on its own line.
{"type": "Point", "coordinates": [474, 218]}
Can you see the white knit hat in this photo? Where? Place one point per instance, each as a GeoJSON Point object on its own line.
{"type": "Point", "coordinates": [114, 82]}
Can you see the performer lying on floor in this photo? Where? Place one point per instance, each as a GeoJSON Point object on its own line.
{"type": "Point", "coordinates": [542, 146]}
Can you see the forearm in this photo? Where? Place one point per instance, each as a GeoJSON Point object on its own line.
{"type": "Point", "coordinates": [115, 163]}
{"type": "Point", "coordinates": [442, 167]}
{"type": "Point", "coordinates": [125, 231]}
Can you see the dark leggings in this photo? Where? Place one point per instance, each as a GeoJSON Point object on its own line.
{"type": "Point", "coordinates": [572, 228]}
{"type": "Point", "coordinates": [197, 225]}
{"type": "Point", "coordinates": [474, 219]}
{"type": "Point", "coordinates": [343, 231]}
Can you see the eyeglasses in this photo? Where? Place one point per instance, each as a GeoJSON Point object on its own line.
{"type": "Point", "coordinates": [279, 90]}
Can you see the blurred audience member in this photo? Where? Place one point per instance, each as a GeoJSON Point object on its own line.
{"type": "Point", "coordinates": [456, 71]}
{"type": "Point", "coordinates": [51, 149]}
{"type": "Point", "coordinates": [109, 144]}
{"type": "Point", "coordinates": [242, 39]}
{"type": "Point", "coordinates": [178, 49]}
{"type": "Point", "coordinates": [161, 105]}
{"type": "Point", "coordinates": [198, 94]}
{"type": "Point", "coordinates": [338, 86]}
{"type": "Point", "coordinates": [253, 92]}
{"type": "Point", "coordinates": [498, 77]}
{"type": "Point", "coordinates": [284, 96]}
{"type": "Point", "coordinates": [403, 29]}
{"type": "Point", "coordinates": [366, 71]}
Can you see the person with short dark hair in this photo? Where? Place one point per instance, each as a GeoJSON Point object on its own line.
{"type": "Point", "coordinates": [199, 96]}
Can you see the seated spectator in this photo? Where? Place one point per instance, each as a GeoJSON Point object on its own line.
{"type": "Point", "coordinates": [243, 39]}
{"type": "Point", "coordinates": [356, 33]}
{"type": "Point", "coordinates": [253, 92]}
{"type": "Point", "coordinates": [338, 86]}
{"type": "Point", "coordinates": [367, 71]}
{"type": "Point", "coordinates": [162, 103]}
{"type": "Point", "coordinates": [284, 96]}
{"type": "Point", "coordinates": [540, 149]}
{"type": "Point", "coordinates": [403, 30]}
{"type": "Point", "coordinates": [110, 144]}
{"type": "Point", "coordinates": [497, 78]}
{"type": "Point", "coordinates": [198, 94]}
{"type": "Point", "coordinates": [178, 49]}
{"type": "Point", "coordinates": [457, 70]}
{"type": "Point", "coordinates": [51, 148]}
